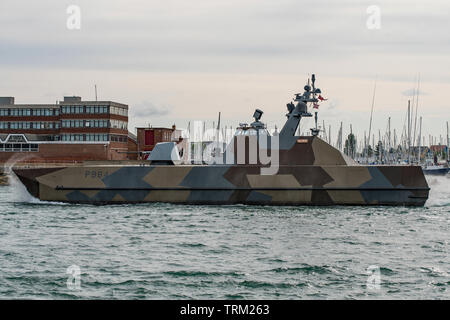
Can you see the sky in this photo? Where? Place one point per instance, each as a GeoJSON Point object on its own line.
{"type": "Point", "coordinates": [175, 61]}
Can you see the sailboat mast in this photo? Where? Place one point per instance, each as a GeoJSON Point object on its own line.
{"type": "Point", "coordinates": [417, 106]}
{"type": "Point", "coordinates": [420, 140]}
{"type": "Point", "coordinates": [329, 134]}
{"type": "Point", "coordinates": [409, 131]}
{"type": "Point", "coordinates": [448, 156]}
{"type": "Point", "coordinates": [218, 132]}
{"type": "Point", "coordinates": [371, 112]}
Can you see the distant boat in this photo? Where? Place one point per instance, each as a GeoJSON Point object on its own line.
{"type": "Point", "coordinates": [436, 170]}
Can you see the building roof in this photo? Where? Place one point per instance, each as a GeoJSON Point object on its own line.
{"type": "Point", "coordinates": [157, 128]}
{"type": "Point", "coordinates": [9, 102]}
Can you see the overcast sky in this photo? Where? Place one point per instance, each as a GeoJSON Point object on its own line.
{"type": "Point", "coordinates": [174, 61]}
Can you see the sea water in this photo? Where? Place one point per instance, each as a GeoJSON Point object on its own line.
{"type": "Point", "coordinates": [164, 251]}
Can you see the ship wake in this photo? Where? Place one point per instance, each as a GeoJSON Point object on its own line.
{"type": "Point", "coordinates": [440, 191]}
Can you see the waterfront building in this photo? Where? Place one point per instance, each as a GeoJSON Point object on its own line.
{"type": "Point", "coordinates": [71, 130]}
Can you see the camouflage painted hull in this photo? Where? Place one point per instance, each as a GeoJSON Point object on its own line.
{"type": "Point", "coordinates": [225, 184]}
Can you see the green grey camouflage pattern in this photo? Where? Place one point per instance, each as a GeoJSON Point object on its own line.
{"type": "Point", "coordinates": [328, 181]}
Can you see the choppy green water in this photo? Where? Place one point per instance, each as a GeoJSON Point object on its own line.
{"type": "Point", "coordinates": [158, 251]}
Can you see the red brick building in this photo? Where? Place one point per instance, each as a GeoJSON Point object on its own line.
{"type": "Point", "coordinates": [71, 130]}
{"type": "Point", "coordinates": [148, 137]}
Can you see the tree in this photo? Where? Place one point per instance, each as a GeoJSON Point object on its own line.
{"type": "Point", "coordinates": [350, 145]}
{"type": "Point", "coordinates": [369, 151]}
{"type": "Point", "coordinates": [379, 150]}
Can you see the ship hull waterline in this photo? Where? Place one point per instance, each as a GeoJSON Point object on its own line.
{"type": "Point", "coordinates": [226, 185]}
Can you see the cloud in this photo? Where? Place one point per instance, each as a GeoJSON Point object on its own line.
{"type": "Point", "coordinates": [413, 92]}
{"type": "Point", "coordinates": [211, 36]}
{"type": "Point", "coordinates": [148, 109]}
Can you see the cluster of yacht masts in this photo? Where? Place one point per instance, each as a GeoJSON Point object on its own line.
{"type": "Point", "coordinates": [393, 147]}
{"type": "Point", "coordinates": [406, 146]}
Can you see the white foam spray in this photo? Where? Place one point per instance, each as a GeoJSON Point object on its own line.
{"type": "Point", "coordinates": [440, 190]}
{"type": "Point", "coordinates": [17, 190]}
